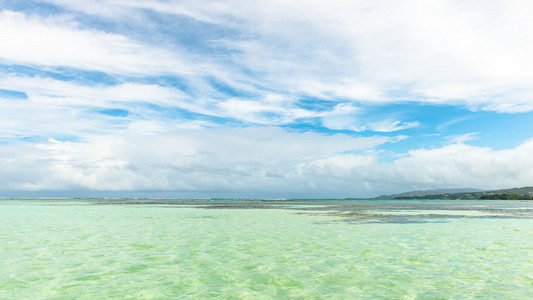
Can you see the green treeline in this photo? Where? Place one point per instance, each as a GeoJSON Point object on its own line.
{"type": "Point", "coordinates": [450, 196]}
{"type": "Point", "coordinates": [522, 193]}
{"type": "Point", "coordinates": [467, 196]}
{"type": "Point", "coordinates": [506, 197]}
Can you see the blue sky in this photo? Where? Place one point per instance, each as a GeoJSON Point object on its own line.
{"type": "Point", "coordinates": [266, 99]}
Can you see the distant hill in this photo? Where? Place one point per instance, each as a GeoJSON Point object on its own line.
{"type": "Point", "coordinates": [525, 191]}
{"type": "Point", "coordinates": [459, 194]}
{"type": "Point", "coordinates": [430, 192]}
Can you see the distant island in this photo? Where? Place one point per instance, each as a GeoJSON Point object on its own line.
{"type": "Point", "coordinates": [506, 197]}
{"type": "Point", "coordinates": [523, 193]}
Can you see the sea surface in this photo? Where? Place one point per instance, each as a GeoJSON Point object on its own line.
{"type": "Point", "coordinates": [259, 249]}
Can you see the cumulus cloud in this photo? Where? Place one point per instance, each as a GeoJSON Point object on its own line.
{"type": "Point", "coordinates": [245, 162]}
{"type": "Point", "coordinates": [187, 162]}
{"type": "Point", "coordinates": [454, 165]}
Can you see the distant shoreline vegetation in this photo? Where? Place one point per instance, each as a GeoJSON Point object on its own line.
{"type": "Point", "coordinates": [522, 193]}
{"type": "Point", "coordinates": [468, 197]}
{"type": "Point", "coordinates": [506, 197]}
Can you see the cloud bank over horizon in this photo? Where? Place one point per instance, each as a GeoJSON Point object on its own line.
{"type": "Point", "coordinates": [270, 99]}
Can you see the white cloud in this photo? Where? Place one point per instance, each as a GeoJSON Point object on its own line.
{"type": "Point", "coordinates": [49, 98]}
{"type": "Point", "coordinates": [246, 162]}
{"type": "Point", "coordinates": [391, 125]}
{"type": "Point", "coordinates": [275, 54]}
{"type": "Point", "coordinates": [473, 53]}
{"type": "Point", "coordinates": [455, 165]}
{"type": "Point", "coordinates": [346, 116]}
{"type": "Point", "coordinates": [71, 93]}
{"type": "Point", "coordinates": [124, 8]}
{"type": "Point", "coordinates": [444, 126]}
{"type": "Point", "coordinates": [469, 53]}
{"type": "Point", "coordinates": [54, 42]}
{"type": "Point", "coordinates": [460, 139]}
{"type": "Point", "coordinates": [65, 108]}
{"type": "Point", "coordinates": [268, 112]}
{"type": "Point", "coordinates": [195, 160]}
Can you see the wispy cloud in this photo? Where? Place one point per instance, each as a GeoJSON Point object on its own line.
{"type": "Point", "coordinates": [51, 42]}
{"type": "Point", "coordinates": [460, 139]}
{"type": "Point", "coordinates": [470, 53]}
{"type": "Point", "coordinates": [449, 123]}
{"type": "Point", "coordinates": [391, 126]}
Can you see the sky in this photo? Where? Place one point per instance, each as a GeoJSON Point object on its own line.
{"type": "Point", "coordinates": [264, 99]}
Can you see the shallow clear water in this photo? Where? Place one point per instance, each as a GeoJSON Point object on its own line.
{"type": "Point", "coordinates": [340, 250]}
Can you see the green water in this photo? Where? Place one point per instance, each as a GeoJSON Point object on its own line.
{"type": "Point", "coordinates": [82, 250]}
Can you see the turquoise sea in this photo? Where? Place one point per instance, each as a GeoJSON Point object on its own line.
{"type": "Point", "coordinates": [199, 249]}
